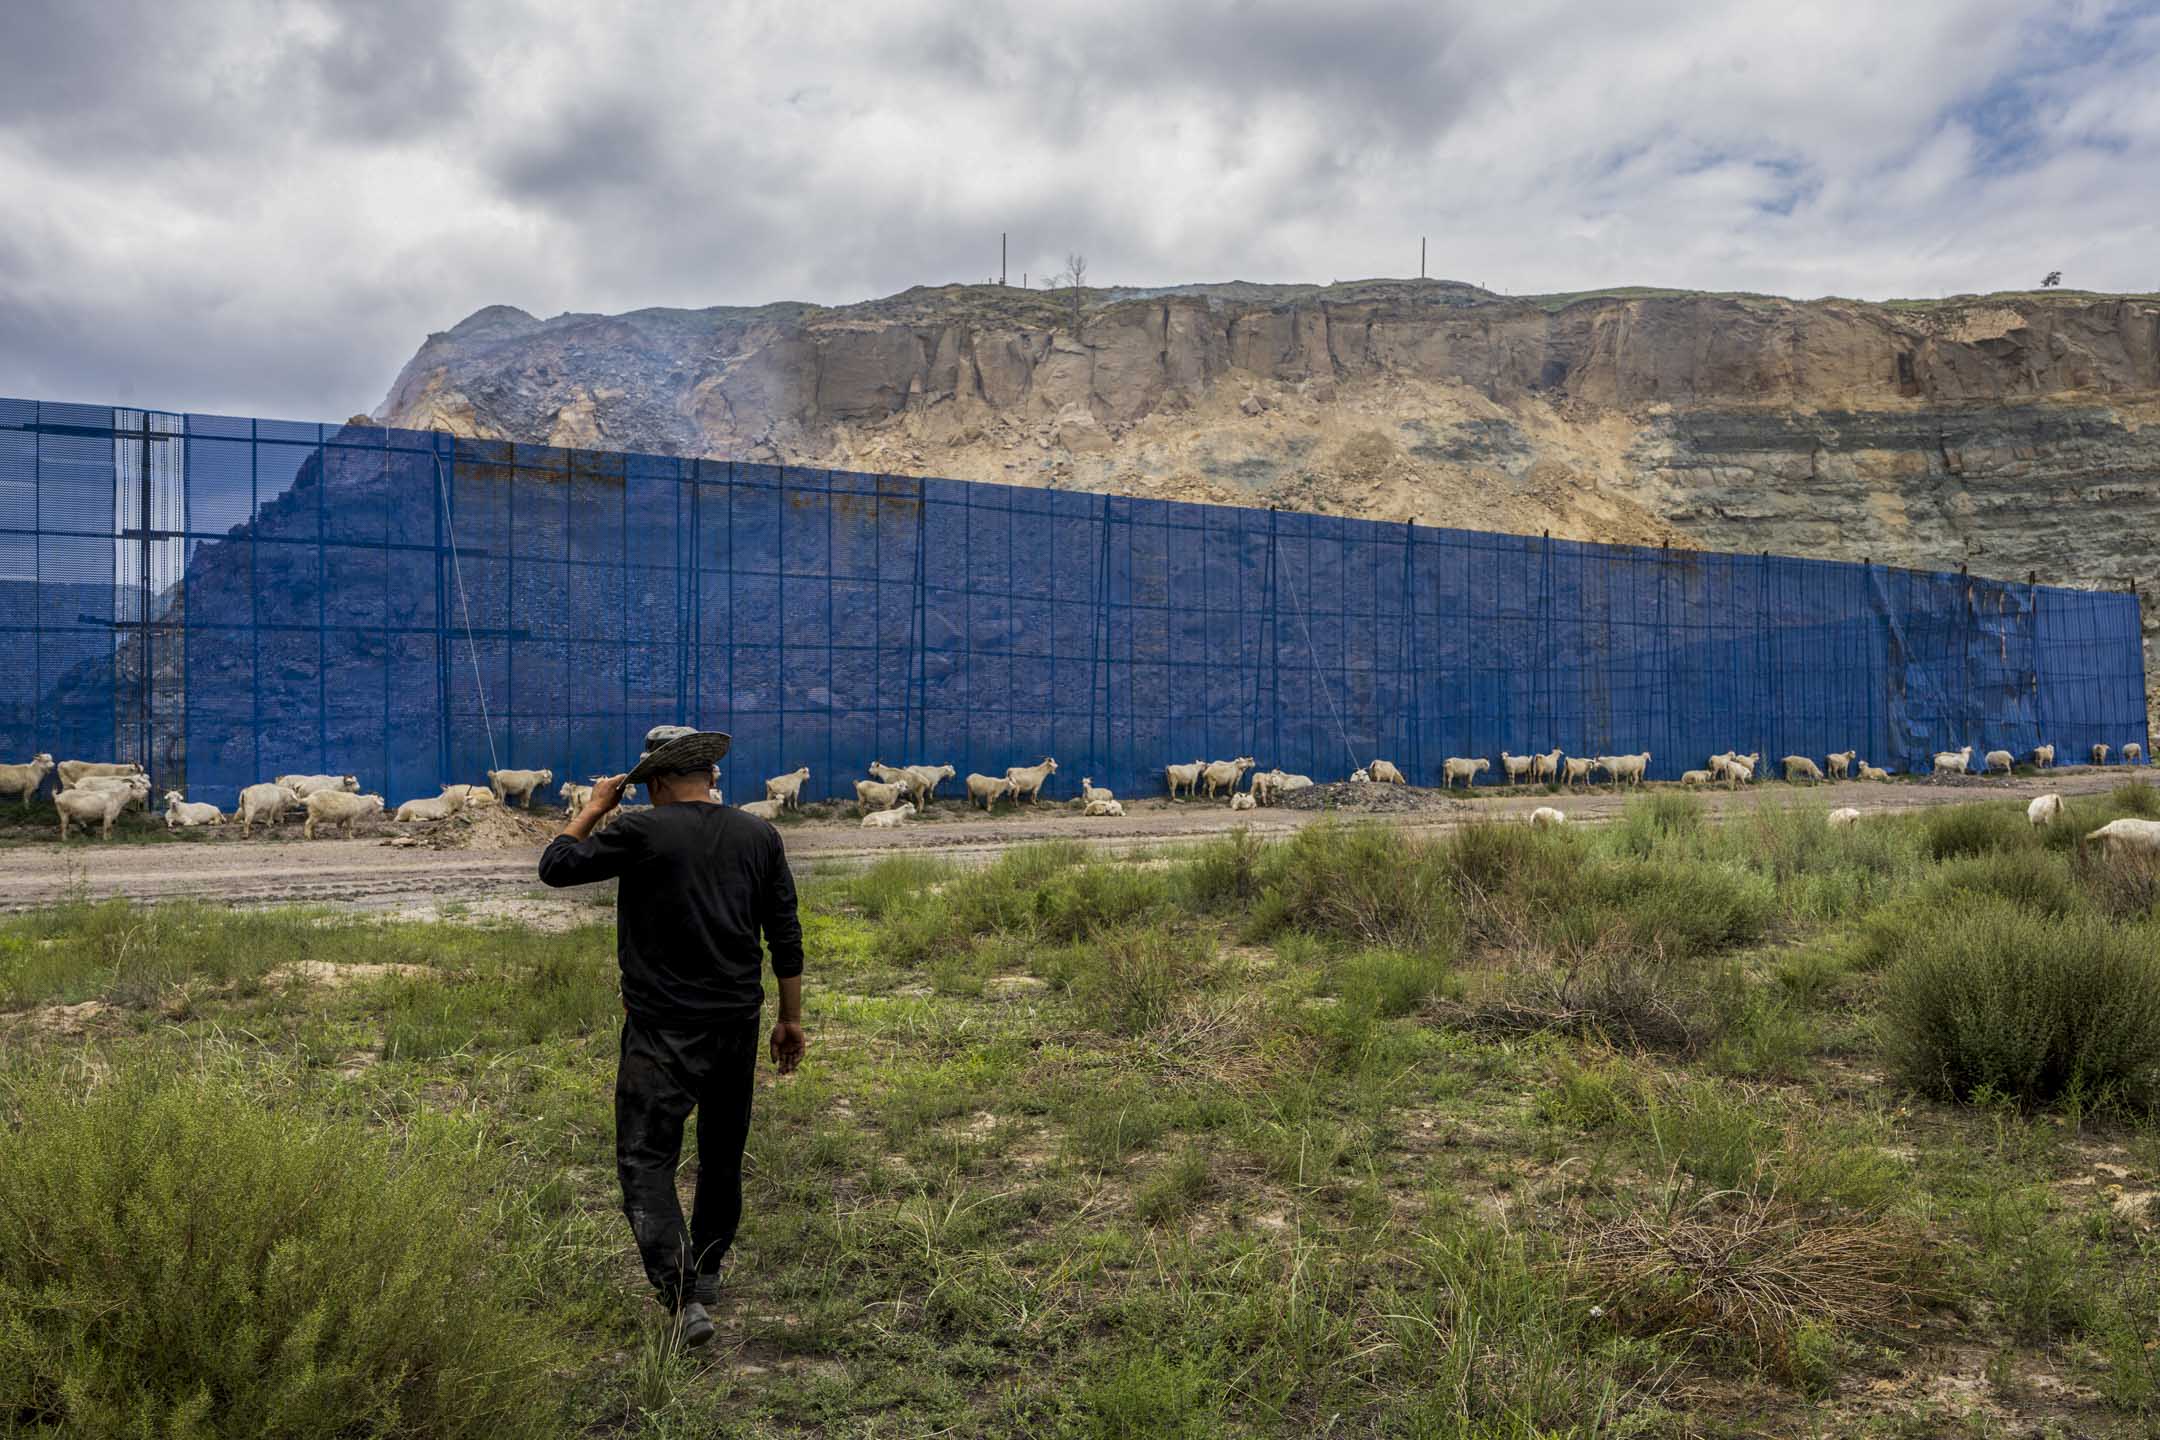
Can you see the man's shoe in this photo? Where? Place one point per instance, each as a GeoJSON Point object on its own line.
{"type": "Point", "coordinates": [693, 1325]}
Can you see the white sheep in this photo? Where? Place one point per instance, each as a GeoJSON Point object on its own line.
{"type": "Point", "coordinates": [1225, 774]}
{"type": "Point", "coordinates": [1579, 767]}
{"type": "Point", "coordinates": [137, 786]}
{"type": "Point", "coordinates": [873, 795]}
{"type": "Point", "coordinates": [1839, 819]}
{"type": "Point", "coordinates": [452, 800]}
{"type": "Point", "coordinates": [72, 771]}
{"type": "Point", "coordinates": [2043, 756]}
{"type": "Point", "coordinates": [1457, 767]}
{"type": "Point", "coordinates": [1517, 766]}
{"type": "Point", "coordinates": [1284, 784]}
{"type": "Point", "coordinates": [1090, 792]}
{"type": "Point", "coordinates": [266, 802]}
{"type": "Point", "coordinates": [2129, 834]}
{"type": "Point", "coordinates": [1800, 767]}
{"type": "Point", "coordinates": [1841, 763]}
{"type": "Point", "coordinates": [2001, 760]}
{"type": "Point", "coordinates": [2045, 810]}
{"type": "Point", "coordinates": [1384, 772]}
{"type": "Point", "coordinates": [24, 780]}
{"type": "Point", "coordinates": [1361, 776]}
{"type": "Point", "coordinates": [788, 788]}
{"type": "Point", "coordinates": [1873, 772]}
{"type": "Point", "coordinates": [2132, 753]}
{"type": "Point", "coordinates": [763, 809]}
{"type": "Point", "coordinates": [1545, 768]}
{"type": "Point", "coordinates": [1953, 762]}
{"type": "Point", "coordinates": [505, 784]}
{"type": "Point", "coordinates": [1738, 769]}
{"type": "Point", "coordinates": [1239, 800]}
{"type": "Point", "coordinates": [987, 790]}
{"type": "Point", "coordinates": [1626, 769]}
{"type": "Point", "coordinates": [1028, 779]}
{"type": "Point", "coordinates": [1545, 817]}
{"type": "Point", "coordinates": [181, 813]}
{"type": "Point", "coordinates": [1099, 809]}
{"type": "Point", "coordinates": [887, 819]}
{"type": "Point", "coordinates": [892, 774]}
{"type": "Point", "coordinates": [927, 778]}
{"type": "Point", "coordinates": [2099, 754]}
{"type": "Point", "coordinates": [340, 808]}
{"type": "Point", "coordinates": [306, 785]}
{"type": "Point", "coordinates": [1184, 777]}
{"type": "Point", "coordinates": [100, 805]}
{"type": "Point", "coordinates": [1695, 777]}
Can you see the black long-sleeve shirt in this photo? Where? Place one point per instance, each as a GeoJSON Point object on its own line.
{"type": "Point", "coordinates": [699, 884]}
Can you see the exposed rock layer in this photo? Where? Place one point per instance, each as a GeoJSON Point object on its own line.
{"type": "Point", "coordinates": [2008, 432]}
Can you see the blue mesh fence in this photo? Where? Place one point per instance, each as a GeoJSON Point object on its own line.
{"type": "Point", "coordinates": [231, 599]}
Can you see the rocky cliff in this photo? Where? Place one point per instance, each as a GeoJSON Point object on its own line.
{"type": "Point", "coordinates": [2010, 432]}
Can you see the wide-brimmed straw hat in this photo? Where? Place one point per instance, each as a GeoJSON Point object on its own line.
{"type": "Point", "coordinates": [674, 749]}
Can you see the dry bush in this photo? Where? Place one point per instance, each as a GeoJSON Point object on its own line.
{"type": "Point", "coordinates": [2123, 883]}
{"type": "Point", "coordinates": [1745, 1270]}
{"type": "Point", "coordinates": [1603, 983]}
{"type": "Point", "coordinates": [1218, 1039]}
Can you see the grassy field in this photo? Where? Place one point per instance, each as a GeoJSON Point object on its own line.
{"type": "Point", "coordinates": [1661, 1128]}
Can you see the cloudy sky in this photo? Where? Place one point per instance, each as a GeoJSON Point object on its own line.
{"type": "Point", "coordinates": [263, 206]}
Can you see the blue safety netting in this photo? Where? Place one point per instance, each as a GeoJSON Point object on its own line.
{"type": "Point", "coordinates": [230, 599]}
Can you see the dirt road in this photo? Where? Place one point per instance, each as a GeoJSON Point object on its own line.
{"type": "Point", "coordinates": [369, 874]}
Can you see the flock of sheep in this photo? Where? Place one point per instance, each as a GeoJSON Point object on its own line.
{"type": "Point", "coordinates": [95, 792]}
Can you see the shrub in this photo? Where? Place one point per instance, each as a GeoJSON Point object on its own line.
{"type": "Point", "coordinates": [2036, 879]}
{"type": "Point", "coordinates": [1991, 996]}
{"type": "Point", "coordinates": [1656, 818]}
{"type": "Point", "coordinates": [894, 883]}
{"type": "Point", "coordinates": [2123, 883]}
{"type": "Point", "coordinates": [1684, 907]}
{"type": "Point", "coordinates": [1088, 900]}
{"type": "Point", "coordinates": [1129, 980]}
{"type": "Point", "coordinates": [1361, 884]}
{"type": "Point", "coordinates": [1394, 982]}
{"type": "Point", "coordinates": [1953, 830]}
{"type": "Point", "coordinates": [1221, 874]}
{"type": "Point", "coordinates": [174, 1257]}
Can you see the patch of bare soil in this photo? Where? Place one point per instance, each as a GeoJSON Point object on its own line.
{"type": "Point", "coordinates": [66, 1019]}
{"type": "Point", "coordinates": [486, 827]}
{"type": "Point", "coordinates": [1367, 798]}
{"type": "Point", "coordinates": [333, 976]}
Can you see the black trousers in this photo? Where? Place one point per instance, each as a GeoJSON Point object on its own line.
{"type": "Point", "coordinates": [664, 1075]}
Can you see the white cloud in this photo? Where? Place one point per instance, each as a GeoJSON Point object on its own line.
{"type": "Point", "coordinates": [263, 207]}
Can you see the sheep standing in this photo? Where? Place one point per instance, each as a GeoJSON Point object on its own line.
{"type": "Point", "coordinates": [1184, 777]}
{"type": "Point", "coordinates": [763, 809]}
{"type": "Point", "coordinates": [1841, 762]}
{"type": "Point", "coordinates": [2043, 756]}
{"type": "Point", "coordinates": [1090, 792]}
{"type": "Point", "coordinates": [887, 819]}
{"type": "Point", "coordinates": [2046, 810]}
{"type": "Point", "coordinates": [788, 788]}
{"type": "Point", "coordinates": [2099, 754]}
{"type": "Point", "coordinates": [2001, 760]}
{"type": "Point", "coordinates": [306, 785]}
{"type": "Point", "coordinates": [1544, 769]}
{"type": "Point", "coordinates": [72, 771]}
{"type": "Point", "coordinates": [892, 774]}
{"type": "Point", "coordinates": [182, 814]}
{"type": "Point", "coordinates": [266, 802]}
{"type": "Point", "coordinates": [340, 808]}
{"type": "Point", "coordinates": [1800, 767]}
{"type": "Point", "coordinates": [2129, 835]}
{"type": "Point", "coordinates": [1626, 769]}
{"type": "Point", "coordinates": [136, 786]}
{"type": "Point", "coordinates": [1385, 773]}
{"type": "Point", "coordinates": [1465, 769]}
{"type": "Point", "coordinates": [506, 784]}
{"type": "Point", "coordinates": [987, 790]}
{"type": "Point", "coordinates": [1545, 817]}
{"type": "Point", "coordinates": [574, 798]}
{"type": "Point", "coordinates": [1225, 774]}
{"type": "Point", "coordinates": [1953, 762]}
{"type": "Point", "coordinates": [872, 795]}
{"type": "Point", "coordinates": [100, 805]}
{"type": "Point", "coordinates": [452, 800]}
{"type": "Point", "coordinates": [24, 780]}
{"type": "Point", "coordinates": [1580, 767]}
{"type": "Point", "coordinates": [1517, 767]}
{"type": "Point", "coordinates": [2132, 753]}
{"type": "Point", "coordinates": [1028, 779]}
{"type": "Point", "coordinates": [927, 778]}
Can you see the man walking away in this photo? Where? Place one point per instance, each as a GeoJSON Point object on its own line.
{"type": "Point", "coordinates": [700, 881]}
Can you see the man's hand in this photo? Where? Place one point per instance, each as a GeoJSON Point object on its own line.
{"type": "Point", "coordinates": [788, 1044]}
{"type": "Point", "coordinates": [606, 795]}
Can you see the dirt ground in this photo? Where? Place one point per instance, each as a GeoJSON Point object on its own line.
{"type": "Point", "coordinates": [384, 871]}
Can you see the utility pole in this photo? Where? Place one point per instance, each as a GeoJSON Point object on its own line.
{"type": "Point", "coordinates": [1421, 257]}
{"type": "Point", "coordinates": [1001, 257]}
